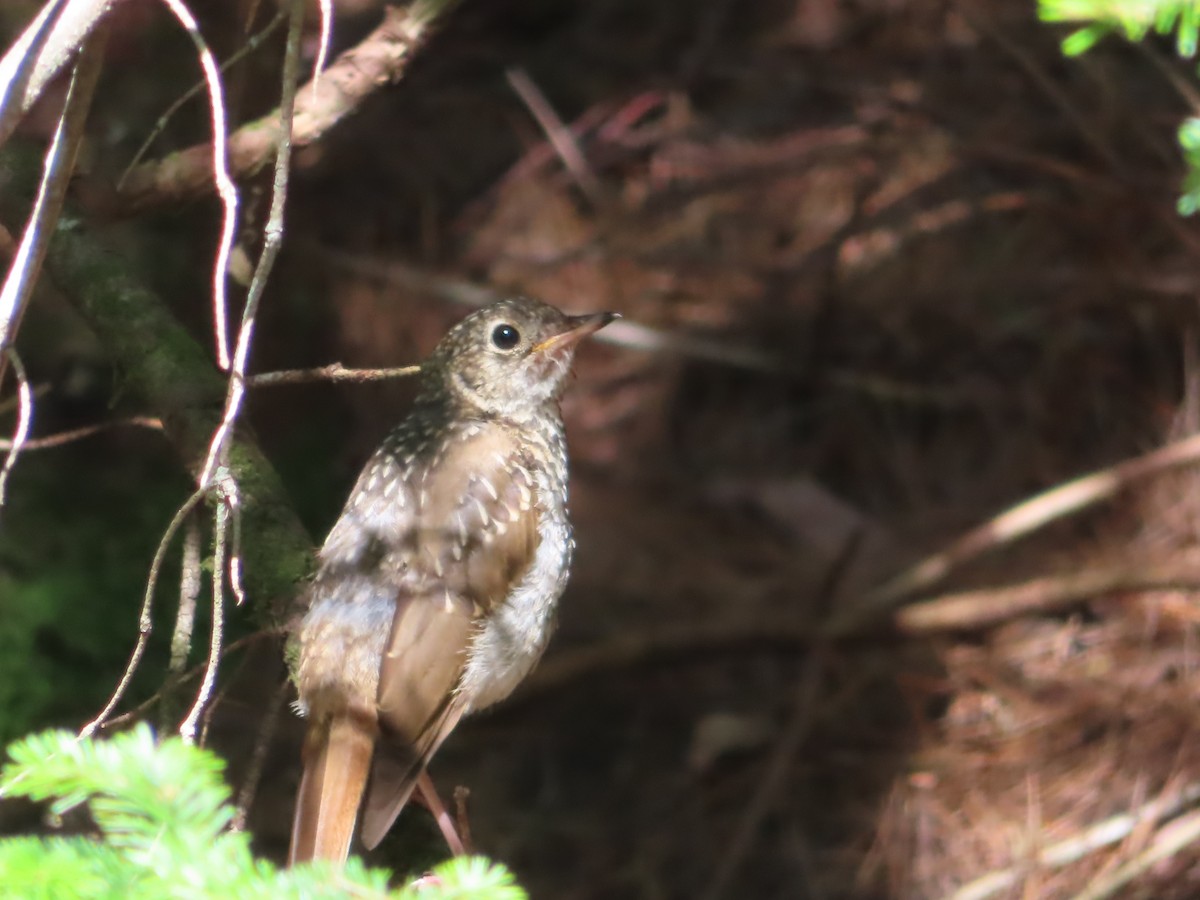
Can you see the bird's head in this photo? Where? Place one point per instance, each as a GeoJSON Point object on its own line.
{"type": "Point", "coordinates": [511, 357]}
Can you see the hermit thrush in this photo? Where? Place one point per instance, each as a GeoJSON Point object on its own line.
{"type": "Point", "coordinates": [436, 587]}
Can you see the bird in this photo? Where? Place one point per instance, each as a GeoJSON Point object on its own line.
{"type": "Point", "coordinates": [435, 590]}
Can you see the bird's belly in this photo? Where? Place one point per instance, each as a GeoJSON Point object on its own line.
{"type": "Point", "coordinates": [511, 640]}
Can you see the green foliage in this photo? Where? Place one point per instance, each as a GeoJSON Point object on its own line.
{"type": "Point", "coordinates": [1132, 18]}
{"type": "Point", "coordinates": [1135, 19]}
{"type": "Point", "coordinates": [162, 810]}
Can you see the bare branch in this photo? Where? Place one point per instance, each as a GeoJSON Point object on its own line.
{"type": "Point", "coordinates": [26, 263]}
{"type": "Point", "coordinates": [226, 189]}
{"type": "Point", "coordinates": [187, 730]}
{"type": "Point", "coordinates": [78, 434]}
{"type": "Point", "coordinates": [185, 617]}
{"type": "Point", "coordinates": [273, 236]}
{"type": "Point", "coordinates": [252, 44]}
{"type": "Point", "coordinates": [146, 618]}
{"type": "Point", "coordinates": [380, 59]}
{"type": "Point", "coordinates": [41, 52]}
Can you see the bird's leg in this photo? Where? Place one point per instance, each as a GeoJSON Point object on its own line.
{"type": "Point", "coordinates": [429, 796]}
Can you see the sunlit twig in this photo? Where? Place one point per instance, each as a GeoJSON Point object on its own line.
{"type": "Point", "coordinates": [220, 168]}
{"type": "Point", "coordinates": [24, 418]}
{"type": "Point", "coordinates": [146, 619]}
{"type": "Point", "coordinates": [252, 44]}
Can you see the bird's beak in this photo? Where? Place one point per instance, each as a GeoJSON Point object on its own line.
{"type": "Point", "coordinates": [578, 327]}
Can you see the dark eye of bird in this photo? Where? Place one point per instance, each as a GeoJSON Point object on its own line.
{"type": "Point", "coordinates": [505, 337]}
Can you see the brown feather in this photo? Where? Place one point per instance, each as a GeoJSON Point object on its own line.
{"type": "Point", "coordinates": [337, 759]}
{"type": "Point", "coordinates": [476, 553]}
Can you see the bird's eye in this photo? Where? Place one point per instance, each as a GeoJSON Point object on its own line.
{"type": "Point", "coordinates": [505, 337]}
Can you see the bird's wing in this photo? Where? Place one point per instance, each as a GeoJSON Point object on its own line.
{"type": "Point", "coordinates": [476, 538]}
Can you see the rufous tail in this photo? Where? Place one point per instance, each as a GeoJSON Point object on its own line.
{"type": "Point", "coordinates": [337, 761]}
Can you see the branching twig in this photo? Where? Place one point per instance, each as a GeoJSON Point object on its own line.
{"type": "Point", "coordinates": [26, 264]}
{"type": "Point", "coordinates": [145, 619]}
{"type": "Point", "coordinates": [356, 74]}
{"type": "Point", "coordinates": [216, 472]}
{"type": "Point", "coordinates": [252, 44]}
{"type": "Point", "coordinates": [226, 189]}
{"type": "Point", "coordinates": [24, 418]}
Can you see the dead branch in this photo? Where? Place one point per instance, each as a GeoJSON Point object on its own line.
{"type": "Point", "coordinates": [380, 59]}
{"type": "Point", "coordinates": [988, 607]}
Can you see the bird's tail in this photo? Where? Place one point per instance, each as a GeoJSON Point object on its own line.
{"type": "Point", "coordinates": [337, 760]}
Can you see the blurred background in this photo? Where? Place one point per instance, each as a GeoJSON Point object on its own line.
{"type": "Point", "coordinates": [903, 265]}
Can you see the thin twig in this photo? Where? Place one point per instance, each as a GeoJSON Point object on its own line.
{"type": "Point", "coordinates": [145, 619]}
{"type": "Point", "coordinates": [86, 431]}
{"type": "Point", "coordinates": [1018, 521]}
{"type": "Point", "coordinates": [187, 730]}
{"type": "Point", "coordinates": [185, 618]}
{"type": "Point", "coordinates": [273, 235]}
{"type": "Point", "coordinates": [334, 372]}
{"type": "Point", "coordinates": [26, 263]}
{"type": "Point", "coordinates": [24, 419]}
{"type": "Point", "coordinates": [218, 454]}
{"type": "Point", "coordinates": [258, 757]}
{"type": "Point", "coordinates": [252, 44]}
{"type": "Point", "coordinates": [226, 189]}
{"type": "Point", "coordinates": [557, 132]}
{"type": "Point", "coordinates": [137, 712]}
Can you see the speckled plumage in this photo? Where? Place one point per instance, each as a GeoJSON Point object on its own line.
{"type": "Point", "coordinates": [436, 588]}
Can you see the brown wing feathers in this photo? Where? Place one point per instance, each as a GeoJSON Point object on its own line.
{"type": "Point", "coordinates": [476, 537]}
